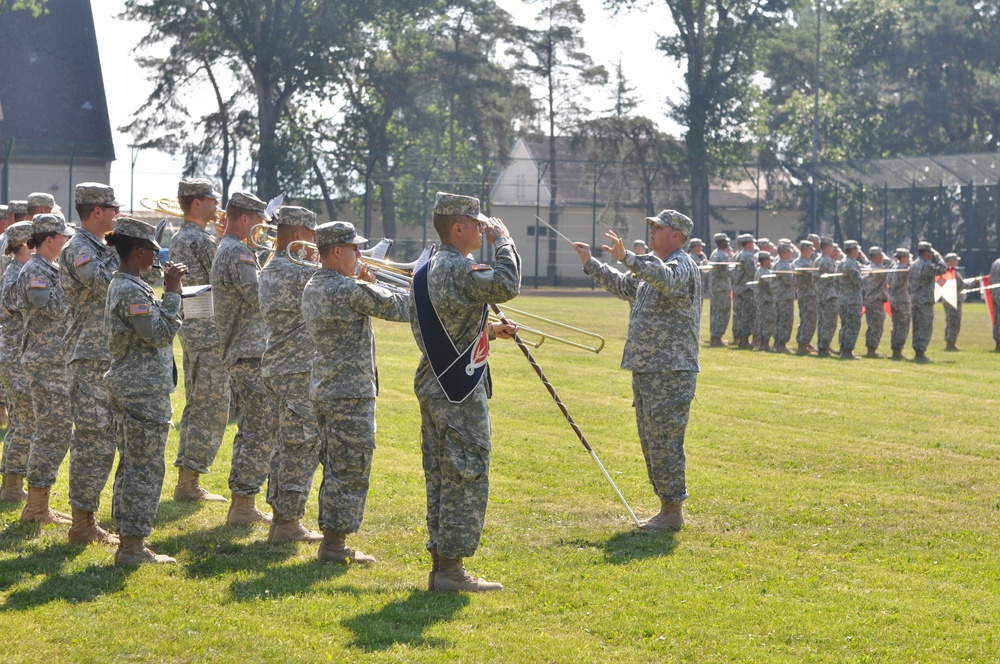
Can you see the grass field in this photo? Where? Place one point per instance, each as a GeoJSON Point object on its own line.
{"type": "Point", "coordinates": [839, 511]}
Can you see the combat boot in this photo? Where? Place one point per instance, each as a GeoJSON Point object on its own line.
{"type": "Point", "coordinates": [13, 488]}
{"type": "Point", "coordinates": [131, 551]}
{"type": "Point", "coordinates": [452, 576]}
{"type": "Point", "coordinates": [950, 345]}
{"type": "Point", "coordinates": [243, 510]}
{"type": "Point", "coordinates": [86, 531]}
{"type": "Point", "coordinates": [920, 356]}
{"type": "Point", "coordinates": [803, 349]}
{"type": "Point", "coordinates": [846, 354]}
{"type": "Point", "coordinates": [188, 489]}
{"type": "Point", "coordinates": [291, 530]}
{"type": "Point", "coordinates": [897, 354]}
{"type": "Point", "coordinates": [335, 550]}
{"type": "Point", "coordinates": [37, 508]}
{"type": "Point", "coordinates": [824, 352]}
{"type": "Point", "coordinates": [765, 344]}
{"type": "Point", "coordinates": [671, 517]}
{"type": "Point", "coordinates": [872, 353]}
{"type": "Point", "coordinates": [435, 567]}
{"type": "Point", "coordinates": [744, 343]}
{"type": "Point", "coordinates": [717, 342]}
{"type": "Point", "coordinates": [782, 348]}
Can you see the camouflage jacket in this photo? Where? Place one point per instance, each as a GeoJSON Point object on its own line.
{"type": "Point", "coordinates": [805, 280]}
{"type": "Point", "coordinates": [86, 266]}
{"type": "Point", "coordinates": [459, 287]}
{"type": "Point", "coordinates": [922, 274]}
{"type": "Point", "coordinates": [825, 288]}
{"type": "Point", "coordinates": [783, 285]}
{"type": "Point", "coordinates": [237, 306]}
{"type": "Point", "coordinates": [10, 316]}
{"type": "Point", "coordinates": [764, 289]}
{"type": "Point", "coordinates": [338, 312]}
{"type": "Point", "coordinates": [44, 309]}
{"type": "Point", "coordinates": [850, 284]}
{"type": "Point", "coordinates": [875, 287]}
{"type": "Point", "coordinates": [899, 287]}
{"type": "Point", "coordinates": [663, 325]}
{"type": "Point", "coordinates": [745, 270]}
{"type": "Point", "coordinates": [141, 331]}
{"type": "Point", "coordinates": [196, 248]}
{"type": "Point", "coordinates": [288, 350]}
{"type": "Point", "coordinates": [719, 279]}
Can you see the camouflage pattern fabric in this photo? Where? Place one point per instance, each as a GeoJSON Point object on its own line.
{"type": "Point", "coordinates": [662, 406]}
{"type": "Point", "coordinates": [347, 429]}
{"type": "Point", "coordinates": [876, 293]}
{"type": "Point", "coordinates": [995, 294]}
{"type": "Point", "coordinates": [297, 454]}
{"type": "Point", "coordinates": [783, 289]}
{"type": "Point", "coordinates": [899, 300]}
{"type": "Point", "coordinates": [851, 302]}
{"type": "Point", "coordinates": [196, 247]}
{"type": "Point", "coordinates": [766, 312]}
{"type": "Point", "coordinates": [256, 424]}
{"type": "Point", "coordinates": [922, 275]}
{"type": "Point", "coordinates": [455, 438]}
{"type": "Point", "coordinates": [828, 297]}
{"type": "Point", "coordinates": [21, 417]}
{"type": "Point", "coordinates": [86, 266]}
{"type": "Point", "coordinates": [234, 279]}
{"type": "Point", "coordinates": [953, 315]}
{"type": "Point", "coordinates": [923, 325]}
{"type": "Point", "coordinates": [744, 303]}
{"type": "Point", "coordinates": [720, 288]}
{"type": "Point", "coordinates": [288, 350]}
{"type": "Point", "coordinates": [805, 287]}
{"type": "Point", "coordinates": [141, 330]}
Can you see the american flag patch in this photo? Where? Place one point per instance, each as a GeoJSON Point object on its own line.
{"type": "Point", "coordinates": [246, 258]}
{"type": "Point", "coordinates": [82, 259]}
{"type": "Point", "coordinates": [38, 283]}
{"type": "Point", "coordinates": [138, 310]}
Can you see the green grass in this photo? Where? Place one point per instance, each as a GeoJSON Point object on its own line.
{"type": "Point", "coordinates": [839, 511]}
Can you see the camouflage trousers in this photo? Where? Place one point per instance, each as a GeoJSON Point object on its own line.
{"type": "Point", "coordinates": [744, 315]}
{"type": "Point", "coordinates": [952, 322]}
{"type": "Point", "coordinates": [92, 446]}
{"type": "Point", "coordinates": [766, 317]}
{"type": "Point", "coordinates": [347, 431]}
{"type": "Point", "coordinates": [256, 422]}
{"type": "Point", "coordinates": [142, 422]}
{"type": "Point", "coordinates": [455, 445]}
{"type": "Point", "coordinates": [995, 294]}
{"type": "Point", "coordinates": [808, 319]}
{"type": "Point", "coordinates": [50, 394]}
{"type": "Point", "coordinates": [206, 408]}
{"type": "Point", "coordinates": [20, 421]}
{"type": "Point", "coordinates": [875, 317]}
{"type": "Point", "coordinates": [826, 325]}
{"type": "Point", "coordinates": [785, 315]}
{"type": "Point", "coordinates": [296, 456]}
{"type": "Point", "coordinates": [720, 307]}
{"type": "Point", "coordinates": [662, 405]}
{"type": "Point", "coordinates": [850, 326]}
{"type": "Point", "coordinates": [923, 325]}
{"type": "Point", "coordinates": [901, 314]}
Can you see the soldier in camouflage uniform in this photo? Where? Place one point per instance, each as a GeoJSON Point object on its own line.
{"type": "Point", "coordinates": [923, 272]}
{"type": "Point", "coordinates": [720, 285]}
{"type": "Point", "coordinates": [827, 295]}
{"type": "Point", "coordinates": [805, 291]}
{"type": "Point", "coordinates": [40, 203]}
{"type": "Point", "coordinates": [234, 279]}
{"type": "Point", "coordinates": [851, 299]}
{"type": "Point", "coordinates": [783, 290]}
{"type": "Point", "coordinates": [86, 266]}
{"type": "Point", "coordinates": [661, 350]}
{"type": "Point", "coordinates": [764, 296]}
{"type": "Point", "coordinates": [875, 290]}
{"type": "Point", "coordinates": [337, 309]}
{"type": "Point", "coordinates": [140, 379]}
{"type": "Point", "coordinates": [206, 382]}
{"type": "Point", "coordinates": [16, 211]}
{"type": "Point", "coordinates": [696, 250]}
{"type": "Point", "coordinates": [285, 367]}
{"type": "Point", "coordinates": [17, 441]}
{"type": "Point", "coordinates": [994, 295]}
{"type": "Point", "coordinates": [455, 437]}
{"type": "Point", "coordinates": [900, 305]}
{"type": "Point", "coordinates": [953, 315]}
{"type": "Point", "coordinates": [44, 309]}
{"type": "Point", "coordinates": [744, 307]}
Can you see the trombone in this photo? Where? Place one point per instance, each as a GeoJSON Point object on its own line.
{"type": "Point", "coordinates": [171, 208]}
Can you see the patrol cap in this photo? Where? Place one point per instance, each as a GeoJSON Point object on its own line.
{"type": "Point", "coordinates": [952, 256]}
{"type": "Point", "coordinates": [875, 250]}
{"type": "Point", "coordinates": [50, 223]}
{"type": "Point", "coordinates": [851, 244]}
{"type": "Point", "coordinates": [337, 232]}
{"type": "Point", "coordinates": [763, 256]}
{"type": "Point", "coordinates": [41, 199]}
{"type": "Point", "coordinates": [456, 205]}
{"type": "Point", "coordinates": [292, 215]}
{"type": "Point", "coordinates": [95, 193]}
{"type": "Point", "coordinates": [744, 238]}
{"type": "Point", "coordinates": [18, 233]}
{"type": "Point", "coordinates": [3, 210]}
{"type": "Point", "coordinates": [136, 228]}
{"type": "Point", "coordinates": [17, 207]}
{"type": "Point", "coordinates": [902, 251]}
{"type": "Point", "coordinates": [763, 240]}
{"type": "Point", "coordinates": [784, 244]}
{"type": "Point", "coordinates": [720, 237]}
{"type": "Point", "coordinates": [247, 201]}
{"type": "Point", "coordinates": [826, 241]}
{"type": "Point", "coordinates": [924, 246]}
{"type": "Point", "coordinates": [812, 237]}
{"type": "Point", "coordinates": [197, 187]}
{"type": "Point", "coordinates": [695, 242]}
{"type": "Point", "coordinates": [639, 243]}
{"type": "Point", "coordinates": [673, 219]}
{"type": "Point", "coordinates": [806, 244]}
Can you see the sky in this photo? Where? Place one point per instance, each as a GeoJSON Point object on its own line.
{"type": "Point", "coordinates": [630, 36]}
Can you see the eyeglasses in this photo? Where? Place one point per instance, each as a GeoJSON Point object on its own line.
{"type": "Point", "coordinates": [110, 207]}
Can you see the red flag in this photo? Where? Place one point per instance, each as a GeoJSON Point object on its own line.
{"type": "Point", "coordinates": [989, 299]}
{"type": "Point", "coordinates": [888, 308]}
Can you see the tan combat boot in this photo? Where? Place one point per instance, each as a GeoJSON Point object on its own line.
{"type": "Point", "coordinates": [823, 352]}
{"type": "Point", "coordinates": [86, 531]}
{"type": "Point", "coordinates": [920, 356]}
{"type": "Point", "coordinates": [335, 550]}
{"type": "Point", "coordinates": [873, 353]}
{"type": "Point", "coordinates": [13, 488]}
{"type": "Point", "coordinates": [188, 489]}
{"type": "Point", "coordinates": [717, 342]}
{"type": "Point", "coordinates": [847, 354]}
{"type": "Point", "coordinates": [435, 567]}
{"type": "Point", "coordinates": [244, 510]}
{"type": "Point", "coordinates": [452, 576]}
{"type": "Point", "coordinates": [803, 349]}
{"type": "Point", "coordinates": [291, 530]}
{"type": "Point", "coordinates": [897, 354]}
{"type": "Point", "coordinates": [950, 345]}
{"type": "Point", "coordinates": [782, 348]}
{"type": "Point", "coordinates": [671, 517]}
{"type": "Point", "coordinates": [37, 508]}
{"type": "Point", "coordinates": [132, 552]}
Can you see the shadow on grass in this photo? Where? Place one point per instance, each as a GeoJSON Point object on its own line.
{"type": "Point", "coordinates": [8, 506]}
{"type": "Point", "coordinates": [17, 533]}
{"type": "Point", "coordinates": [279, 581]}
{"type": "Point", "coordinates": [632, 545]}
{"type": "Point", "coordinates": [82, 585]}
{"type": "Point", "coordinates": [404, 621]}
{"type": "Point", "coordinates": [175, 510]}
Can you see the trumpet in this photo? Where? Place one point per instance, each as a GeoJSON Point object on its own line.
{"type": "Point", "coordinates": [167, 206]}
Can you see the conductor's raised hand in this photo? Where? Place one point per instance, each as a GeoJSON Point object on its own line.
{"type": "Point", "coordinates": [172, 274]}
{"type": "Point", "coordinates": [495, 229]}
{"type": "Point", "coordinates": [617, 247]}
{"type": "Point", "coordinates": [583, 249]}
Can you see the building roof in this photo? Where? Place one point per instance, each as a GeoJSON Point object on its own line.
{"type": "Point", "coordinates": [52, 100]}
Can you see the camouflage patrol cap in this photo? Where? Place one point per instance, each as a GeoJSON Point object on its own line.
{"type": "Point", "coordinates": [695, 242]}
{"type": "Point", "coordinates": [763, 256]}
{"type": "Point", "coordinates": [952, 256]}
{"type": "Point", "coordinates": [292, 215]}
{"type": "Point", "coordinates": [720, 237]}
{"type": "Point", "coordinates": [851, 244]}
{"type": "Point", "coordinates": [17, 207]}
{"type": "Point", "coordinates": [639, 243]}
{"type": "Point", "coordinates": [744, 238]}
{"type": "Point", "coordinates": [136, 228]}
{"type": "Point", "coordinates": [3, 210]}
{"type": "Point", "coordinates": [337, 232]}
{"type": "Point", "coordinates": [924, 246]}
{"type": "Point", "coordinates": [197, 187]}
{"type": "Point", "coordinates": [763, 240]}
{"type": "Point", "coordinates": [247, 201]}
{"type": "Point", "coordinates": [41, 199]}
{"type": "Point", "coordinates": [95, 193]}
{"type": "Point", "coordinates": [50, 223]}
{"type": "Point", "coordinates": [826, 241]}
{"type": "Point", "coordinates": [806, 244]}
{"type": "Point", "coordinates": [902, 251]}
{"type": "Point", "coordinates": [875, 250]}
{"type": "Point", "coordinates": [673, 219]}
{"type": "Point", "coordinates": [18, 233]}
{"type": "Point", "coordinates": [812, 237]}
{"type": "Point", "coordinates": [456, 205]}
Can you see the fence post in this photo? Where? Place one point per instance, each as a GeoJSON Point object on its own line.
{"type": "Point", "coordinates": [8, 150]}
